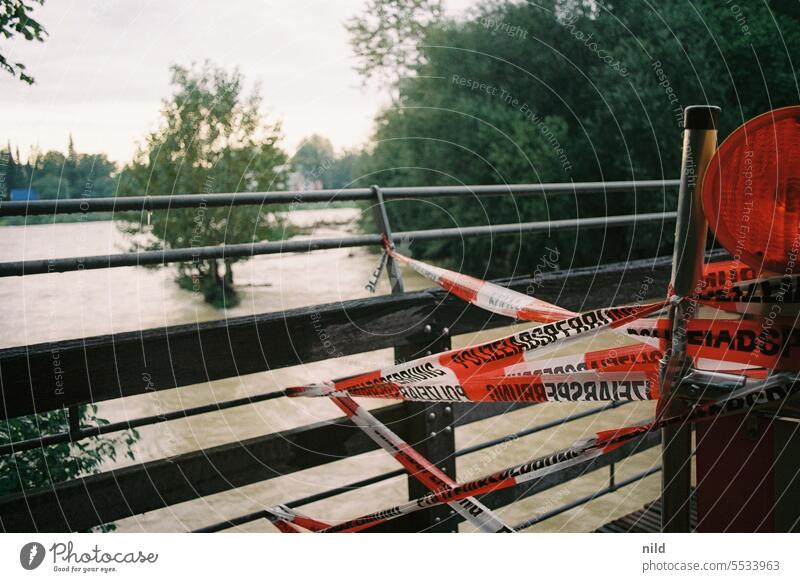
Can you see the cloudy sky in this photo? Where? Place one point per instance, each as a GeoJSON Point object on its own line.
{"type": "Point", "coordinates": [103, 71]}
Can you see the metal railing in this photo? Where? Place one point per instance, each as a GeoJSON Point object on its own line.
{"type": "Point", "coordinates": [188, 201]}
{"type": "Point", "coordinates": [150, 203]}
{"type": "Point", "coordinates": [429, 319]}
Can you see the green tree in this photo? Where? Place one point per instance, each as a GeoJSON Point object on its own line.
{"type": "Point", "coordinates": [342, 173]}
{"type": "Point", "coordinates": [47, 465]}
{"type": "Point", "coordinates": [15, 19]}
{"type": "Point", "coordinates": [588, 91]}
{"type": "Point", "coordinates": [212, 139]}
{"type": "Point", "coordinates": [385, 37]}
{"type": "Point", "coordinates": [95, 177]}
{"type": "Point", "coordinates": [54, 174]}
{"type": "Point", "coordinates": [8, 171]}
{"type": "Point", "coordinates": [316, 159]}
{"type": "Point", "coordinates": [47, 175]}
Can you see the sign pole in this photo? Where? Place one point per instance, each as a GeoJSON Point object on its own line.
{"type": "Point", "coordinates": [700, 124]}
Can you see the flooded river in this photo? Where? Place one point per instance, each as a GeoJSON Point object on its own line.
{"type": "Point", "coordinates": [42, 308]}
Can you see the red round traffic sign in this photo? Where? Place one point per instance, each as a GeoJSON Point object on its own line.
{"type": "Point", "coordinates": [751, 192]}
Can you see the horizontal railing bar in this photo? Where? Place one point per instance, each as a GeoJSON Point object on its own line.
{"type": "Point", "coordinates": [398, 472]}
{"type": "Point", "coordinates": [176, 201]}
{"type": "Point", "coordinates": [549, 188]}
{"type": "Point", "coordinates": [539, 428]}
{"type": "Point", "coordinates": [93, 431]}
{"type": "Point", "coordinates": [162, 257]}
{"type": "Point", "coordinates": [578, 502]}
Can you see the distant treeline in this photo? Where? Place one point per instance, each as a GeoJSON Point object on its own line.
{"type": "Point", "coordinates": [54, 174]}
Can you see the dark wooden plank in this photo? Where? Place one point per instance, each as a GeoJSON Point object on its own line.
{"type": "Point", "coordinates": [62, 374]}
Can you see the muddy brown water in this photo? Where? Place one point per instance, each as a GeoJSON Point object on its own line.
{"type": "Point", "coordinates": [42, 308]}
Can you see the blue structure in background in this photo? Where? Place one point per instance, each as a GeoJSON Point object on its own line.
{"type": "Point", "coordinates": [22, 194]}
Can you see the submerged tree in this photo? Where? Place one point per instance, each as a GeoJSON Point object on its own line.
{"type": "Point", "coordinates": [212, 139]}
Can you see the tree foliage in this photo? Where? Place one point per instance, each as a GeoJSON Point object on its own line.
{"type": "Point", "coordinates": [212, 139]}
{"type": "Point", "coordinates": [55, 174]}
{"type": "Point", "coordinates": [317, 160]}
{"type": "Point", "coordinates": [591, 91]}
{"type": "Point", "coordinates": [385, 37]}
{"type": "Point", "coordinates": [15, 20]}
{"type": "Point", "coordinates": [47, 465]}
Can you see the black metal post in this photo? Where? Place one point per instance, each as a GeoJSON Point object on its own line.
{"type": "Point", "coordinates": [74, 419]}
{"type": "Point", "coordinates": [699, 144]}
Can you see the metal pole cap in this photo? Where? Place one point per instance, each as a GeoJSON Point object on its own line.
{"type": "Point", "coordinates": [701, 117]}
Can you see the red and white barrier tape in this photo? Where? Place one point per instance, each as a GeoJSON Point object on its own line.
{"type": "Point", "coordinates": [289, 521]}
{"type": "Point", "coordinates": [756, 297]}
{"type": "Point", "coordinates": [507, 370]}
{"type": "Point", "coordinates": [418, 466]}
{"type": "Point", "coordinates": [488, 295]}
{"type": "Point", "coordinates": [729, 285]}
{"type": "Point", "coordinates": [456, 367]}
{"type": "Point", "coordinates": [485, 294]}
{"type": "Point", "coordinates": [590, 386]}
{"type": "Point", "coordinates": [754, 392]}
{"type": "Point", "coordinates": [769, 344]}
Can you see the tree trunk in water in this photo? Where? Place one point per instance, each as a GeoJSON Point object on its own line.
{"type": "Point", "coordinates": [218, 289]}
{"type": "Point", "coordinates": [229, 274]}
{"type": "Point", "coordinates": [213, 268]}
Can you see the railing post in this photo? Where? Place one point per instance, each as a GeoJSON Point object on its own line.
{"type": "Point", "coordinates": [382, 220]}
{"type": "Point", "coordinates": [74, 420]}
{"type": "Point", "coordinates": [428, 427]}
{"type": "Point", "coordinates": [699, 144]}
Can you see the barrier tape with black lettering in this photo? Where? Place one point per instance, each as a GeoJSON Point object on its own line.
{"type": "Point", "coordinates": [456, 367]}
{"type": "Point", "coordinates": [755, 393]}
{"type": "Point", "coordinates": [418, 466]}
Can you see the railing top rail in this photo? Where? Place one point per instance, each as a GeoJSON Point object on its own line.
{"type": "Point", "coordinates": [176, 201]}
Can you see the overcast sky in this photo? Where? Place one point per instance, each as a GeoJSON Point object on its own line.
{"type": "Point", "coordinates": [104, 68]}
